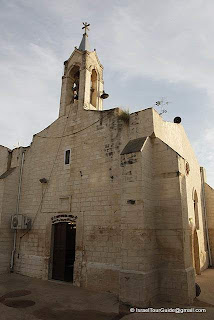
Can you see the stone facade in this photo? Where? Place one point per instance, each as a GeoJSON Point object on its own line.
{"type": "Point", "coordinates": [209, 194]}
{"type": "Point", "coordinates": [133, 185]}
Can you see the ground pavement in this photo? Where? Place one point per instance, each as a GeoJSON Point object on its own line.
{"type": "Point", "coordinates": [24, 298]}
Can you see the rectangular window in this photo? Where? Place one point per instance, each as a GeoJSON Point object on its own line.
{"type": "Point", "coordinates": [67, 156]}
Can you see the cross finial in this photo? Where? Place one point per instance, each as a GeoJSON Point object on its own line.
{"type": "Point", "coordinates": [86, 25]}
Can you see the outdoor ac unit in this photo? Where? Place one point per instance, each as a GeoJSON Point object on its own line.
{"type": "Point", "coordinates": [18, 221]}
{"type": "Point", "coordinates": [27, 223]}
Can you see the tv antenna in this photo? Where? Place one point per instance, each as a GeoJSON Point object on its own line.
{"type": "Point", "coordinates": [162, 103]}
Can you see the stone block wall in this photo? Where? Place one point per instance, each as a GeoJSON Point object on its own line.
{"type": "Point", "coordinates": [175, 137]}
{"type": "Point", "coordinates": [173, 256]}
{"type": "Point", "coordinates": [8, 202]}
{"type": "Point", "coordinates": [132, 210]}
{"type": "Point", "coordinates": [209, 196]}
{"type": "Point", "coordinates": [138, 275]}
{"type": "Point", "coordinates": [3, 159]}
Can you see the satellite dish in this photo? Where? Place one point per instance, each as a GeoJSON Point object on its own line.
{"type": "Point", "coordinates": [177, 120]}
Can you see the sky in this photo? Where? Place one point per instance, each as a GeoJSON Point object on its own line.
{"type": "Point", "coordinates": [149, 49]}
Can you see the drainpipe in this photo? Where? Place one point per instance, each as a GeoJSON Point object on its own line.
{"type": "Point", "coordinates": [17, 212]}
{"type": "Point", "coordinates": [205, 216]}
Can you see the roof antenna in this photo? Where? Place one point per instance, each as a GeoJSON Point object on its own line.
{"type": "Point", "coordinates": [162, 104]}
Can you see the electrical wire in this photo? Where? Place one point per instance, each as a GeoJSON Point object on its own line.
{"type": "Point", "coordinates": [70, 134]}
{"type": "Point", "coordinates": [43, 194]}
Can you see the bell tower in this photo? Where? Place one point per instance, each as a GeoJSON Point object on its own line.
{"type": "Point", "coordinates": [82, 82]}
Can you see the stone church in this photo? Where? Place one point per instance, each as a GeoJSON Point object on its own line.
{"type": "Point", "coordinates": [107, 200]}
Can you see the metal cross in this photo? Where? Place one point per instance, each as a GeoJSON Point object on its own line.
{"type": "Point", "coordinates": [86, 25]}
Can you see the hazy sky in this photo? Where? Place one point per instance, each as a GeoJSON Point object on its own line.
{"type": "Point", "coordinates": [149, 48]}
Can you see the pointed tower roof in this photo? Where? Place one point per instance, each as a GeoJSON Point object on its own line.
{"type": "Point", "coordinates": [84, 45]}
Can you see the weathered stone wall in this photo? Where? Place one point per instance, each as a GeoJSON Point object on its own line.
{"type": "Point", "coordinates": [3, 168]}
{"type": "Point", "coordinates": [8, 202]}
{"type": "Point", "coordinates": [209, 195]}
{"type": "Point", "coordinates": [116, 240]}
{"type": "Point", "coordinates": [94, 184]}
{"type": "Point", "coordinates": [141, 247]}
{"type": "Point", "coordinates": [176, 273]}
{"type": "Point", "coordinates": [138, 275]}
{"type": "Point", "coordinates": [174, 136]}
{"type": "Point", "coordinates": [3, 159]}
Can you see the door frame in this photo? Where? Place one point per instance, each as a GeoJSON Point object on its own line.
{"type": "Point", "coordinates": [54, 220]}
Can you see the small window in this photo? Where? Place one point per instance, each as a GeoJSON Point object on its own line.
{"type": "Point", "coordinates": [67, 156]}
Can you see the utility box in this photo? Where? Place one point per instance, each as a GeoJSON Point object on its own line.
{"type": "Point", "coordinates": [18, 221]}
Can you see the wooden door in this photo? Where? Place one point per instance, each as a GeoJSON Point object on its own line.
{"type": "Point", "coordinates": [70, 252]}
{"type": "Point", "coordinates": [59, 251]}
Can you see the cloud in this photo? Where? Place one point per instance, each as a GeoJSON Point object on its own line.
{"type": "Point", "coordinates": [204, 148]}
{"type": "Point", "coordinates": [29, 90]}
{"type": "Point", "coordinates": [209, 136]}
{"type": "Point", "coordinates": [169, 40]}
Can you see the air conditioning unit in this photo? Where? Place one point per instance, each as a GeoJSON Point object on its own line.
{"type": "Point", "coordinates": [18, 221]}
{"type": "Point", "coordinates": [27, 223]}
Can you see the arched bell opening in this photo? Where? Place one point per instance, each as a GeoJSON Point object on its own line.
{"type": "Point", "coordinates": [93, 97]}
{"type": "Point", "coordinates": [73, 85]}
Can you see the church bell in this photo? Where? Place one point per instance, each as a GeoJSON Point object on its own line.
{"type": "Point", "coordinates": [104, 95]}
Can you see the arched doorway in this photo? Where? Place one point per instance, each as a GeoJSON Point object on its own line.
{"type": "Point", "coordinates": [64, 234]}
{"type": "Point", "coordinates": [195, 242]}
{"type": "Point", "coordinates": [196, 252]}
